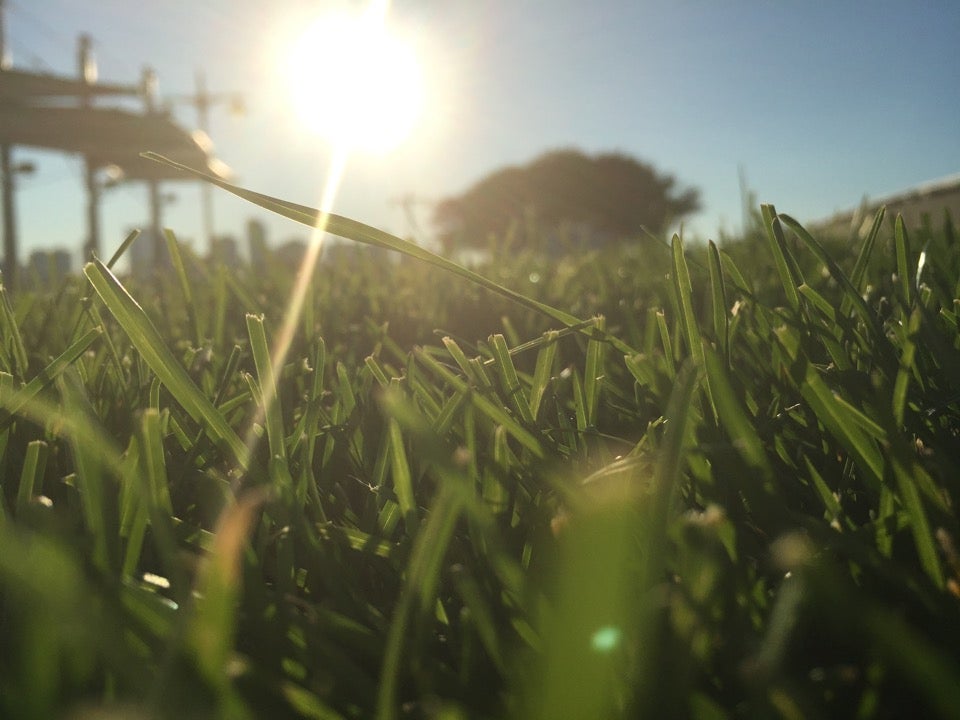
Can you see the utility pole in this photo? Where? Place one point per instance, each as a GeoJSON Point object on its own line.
{"type": "Point", "coordinates": [202, 101]}
{"type": "Point", "coordinates": [87, 72]}
{"type": "Point", "coordinates": [10, 260]}
{"type": "Point", "coordinates": [150, 89]}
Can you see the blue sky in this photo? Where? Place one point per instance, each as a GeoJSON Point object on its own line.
{"type": "Point", "coordinates": [819, 103]}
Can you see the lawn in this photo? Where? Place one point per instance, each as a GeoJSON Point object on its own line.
{"type": "Point", "coordinates": [665, 479]}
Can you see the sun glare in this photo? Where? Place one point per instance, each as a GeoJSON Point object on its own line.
{"type": "Point", "coordinates": [354, 83]}
{"type": "Point", "coordinates": [360, 88]}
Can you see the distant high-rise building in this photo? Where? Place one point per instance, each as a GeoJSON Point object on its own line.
{"type": "Point", "coordinates": [291, 253]}
{"type": "Point", "coordinates": [224, 250]}
{"type": "Point", "coordinates": [49, 266]}
{"type": "Point", "coordinates": [257, 242]}
{"type": "Point", "coordinates": [140, 255]}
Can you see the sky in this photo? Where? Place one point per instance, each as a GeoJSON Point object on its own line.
{"type": "Point", "coordinates": [817, 104]}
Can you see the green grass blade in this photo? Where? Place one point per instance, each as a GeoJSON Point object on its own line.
{"type": "Point", "coordinates": [453, 407]}
{"type": "Point", "coordinates": [497, 414]}
{"type": "Point", "coordinates": [356, 539]}
{"type": "Point", "coordinates": [593, 375]}
{"type": "Point", "coordinates": [418, 593]}
{"type": "Point", "coordinates": [509, 378]}
{"type": "Point", "coordinates": [31, 476]}
{"type": "Point", "coordinates": [153, 463]}
{"type": "Point", "coordinates": [718, 295]}
{"type": "Point", "coordinates": [851, 294]}
{"type": "Point", "coordinates": [133, 511]}
{"type": "Point", "coordinates": [402, 477]}
{"type": "Point", "coordinates": [97, 488]}
{"type": "Point", "coordinates": [6, 362]}
{"type": "Point", "coordinates": [863, 259]}
{"type": "Point", "coordinates": [46, 376]}
{"type": "Point", "coordinates": [579, 401]}
{"type": "Point", "coordinates": [481, 614]}
{"type": "Point", "coordinates": [688, 324]}
{"type": "Point", "coordinates": [152, 487]}
{"type": "Point", "coordinates": [542, 372]}
{"type": "Point", "coordinates": [907, 367]}
{"type": "Point", "coordinates": [213, 621]}
{"type": "Point", "coordinates": [907, 471]}
{"type": "Point", "coordinates": [124, 246]}
{"type": "Point", "coordinates": [478, 373]}
{"type": "Point", "coordinates": [363, 233]}
{"type": "Point", "coordinates": [6, 390]}
{"type": "Point", "coordinates": [456, 352]}
{"type": "Point", "coordinates": [785, 264]}
{"type": "Point", "coordinates": [822, 305]}
{"type": "Point", "coordinates": [642, 369]}
{"type": "Point", "coordinates": [19, 364]}
{"type": "Point", "coordinates": [670, 359]}
{"type": "Point", "coordinates": [733, 417]}
{"type": "Point", "coordinates": [173, 247]}
{"type": "Point", "coordinates": [830, 502]}
{"type": "Point", "coordinates": [846, 424]}
{"type": "Point", "coordinates": [377, 371]}
{"type": "Point", "coordinates": [271, 408]}
{"type": "Point", "coordinates": [152, 347]}
{"type": "Point", "coordinates": [595, 616]}
{"type": "Point", "coordinates": [902, 242]}
{"type": "Point", "coordinates": [348, 399]}
{"type": "Point", "coordinates": [731, 269]}
{"type": "Point", "coordinates": [670, 466]}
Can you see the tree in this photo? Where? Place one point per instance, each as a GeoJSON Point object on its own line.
{"type": "Point", "coordinates": [595, 199]}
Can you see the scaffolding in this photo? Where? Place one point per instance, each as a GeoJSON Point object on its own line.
{"type": "Point", "coordinates": [51, 112]}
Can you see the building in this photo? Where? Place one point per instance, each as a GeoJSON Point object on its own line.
{"type": "Point", "coordinates": [932, 199]}
{"type": "Point", "coordinates": [225, 251]}
{"type": "Point", "coordinates": [49, 267]}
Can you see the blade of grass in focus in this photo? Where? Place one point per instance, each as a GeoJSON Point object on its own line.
{"type": "Point", "coordinates": [689, 324]}
{"type": "Point", "coordinates": [718, 295]}
{"type": "Point", "coordinates": [32, 474]}
{"type": "Point", "coordinates": [173, 247]}
{"type": "Point", "coordinates": [786, 267]}
{"type": "Point", "coordinates": [360, 232]}
{"type": "Point", "coordinates": [542, 372]}
{"type": "Point", "coordinates": [158, 356]}
{"type": "Point", "coordinates": [509, 378]}
{"type": "Point", "coordinates": [16, 353]}
{"type": "Point", "coordinates": [863, 259]}
{"type": "Point", "coordinates": [271, 406]}
{"type": "Point", "coordinates": [47, 376]}
{"type": "Point", "coordinates": [593, 375]}
{"type": "Point", "coordinates": [903, 254]}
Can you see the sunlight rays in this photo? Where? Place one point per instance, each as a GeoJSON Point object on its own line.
{"type": "Point", "coordinates": [357, 87]}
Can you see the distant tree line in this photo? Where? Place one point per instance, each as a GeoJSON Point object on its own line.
{"type": "Point", "coordinates": [595, 199]}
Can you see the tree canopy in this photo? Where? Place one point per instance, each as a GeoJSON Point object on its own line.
{"type": "Point", "coordinates": [597, 199]}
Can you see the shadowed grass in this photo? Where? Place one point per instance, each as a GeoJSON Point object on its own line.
{"type": "Point", "coordinates": [730, 493]}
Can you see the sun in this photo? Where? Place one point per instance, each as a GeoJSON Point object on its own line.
{"type": "Point", "coordinates": [354, 83]}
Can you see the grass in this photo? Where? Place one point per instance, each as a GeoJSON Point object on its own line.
{"type": "Point", "coordinates": [720, 480]}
